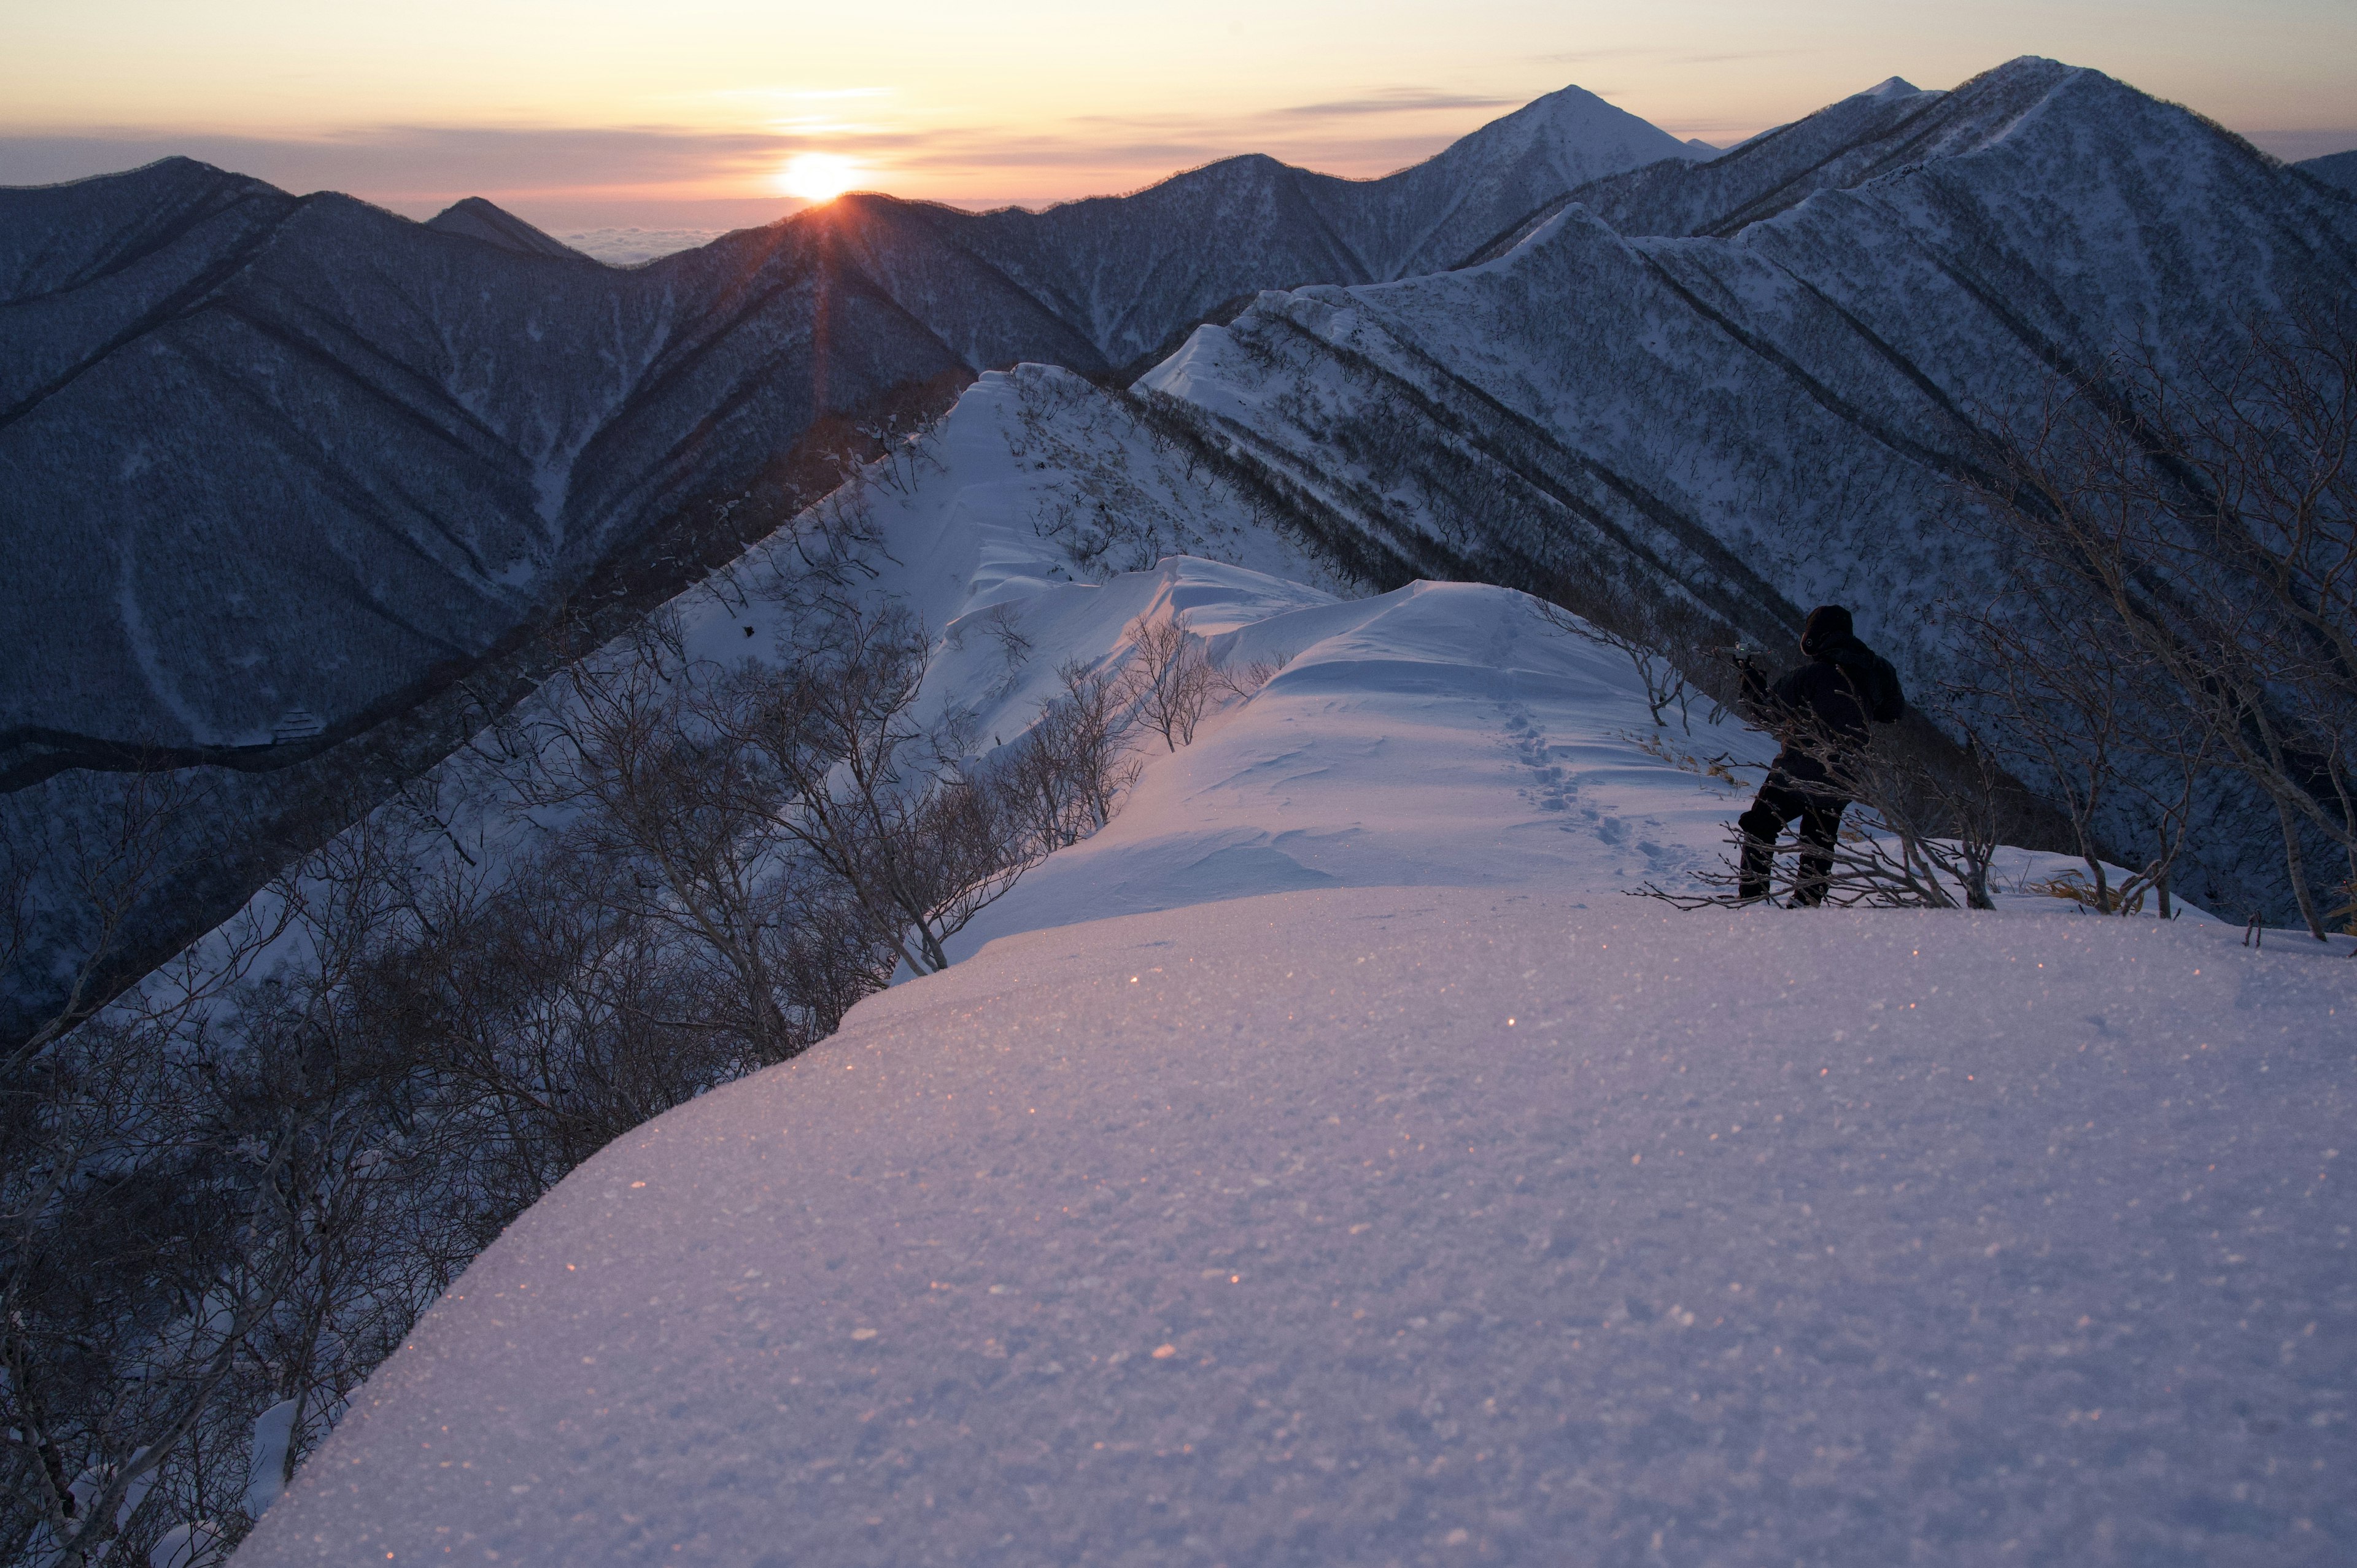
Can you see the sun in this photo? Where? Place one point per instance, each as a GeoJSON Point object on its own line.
{"type": "Point", "coordinates": [817, 176]}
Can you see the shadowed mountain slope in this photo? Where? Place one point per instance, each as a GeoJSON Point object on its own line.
{"type": "Point", "coordinates": [480, 219]}
{"type": "Point", "coordinates": [274, 454]}
{"type": "Point", "coordinates": [282, 454]}
{"type": "Point", "coordinates": [2334, 168]}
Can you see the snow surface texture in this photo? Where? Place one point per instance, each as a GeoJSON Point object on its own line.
{"type": "Point", "coordinates": [1432, 1225]}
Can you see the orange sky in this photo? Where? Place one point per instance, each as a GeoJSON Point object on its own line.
{"type": "Point", "coordinates": [590, 111]}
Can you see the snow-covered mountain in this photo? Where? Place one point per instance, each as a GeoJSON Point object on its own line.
{"type": "Point", "coordinates": [1750, 380]}
{"type": "Point", "coordinates": [1324, 1163]}
{"type": "Point", "coordinates": [295, 481]}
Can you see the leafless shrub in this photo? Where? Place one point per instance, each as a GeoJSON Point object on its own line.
{"type": "Point", "coordinates": [1246, 680]}
{"type": "Point", "coordinates": [1066, 775]}
{"type": "Point", "coordinates": [143, 1241]}
{"type": "Point", "coordinates": [836, 762]}
{"type": "Point", "coordinates": [1921, 829]}
{"type": "Point", "coordinates": [903, 443]}
{"type": "Point", "coordinates": [223, 1200]}
{"type": "Point", "coordinates": [2112, 748]}
{"type": "Point", "coordinates": [1662, 680]}
{"type": "Point", "coordinates": [1169, 680]}
{"type": "Point", "coordinates": [1006, 629]}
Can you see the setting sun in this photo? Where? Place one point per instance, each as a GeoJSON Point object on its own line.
{"type": "Point", "coordinates": [817, 176]}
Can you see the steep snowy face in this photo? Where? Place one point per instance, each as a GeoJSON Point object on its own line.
{"type": "Point", "coordinates": [1131, 271]}
{"type": "Point", "coordinates": [1399, 1224]}
{"type": "Point", "coordinates": [1837, 146]}
{"type": "Point", "coordinates": [1771, 418]}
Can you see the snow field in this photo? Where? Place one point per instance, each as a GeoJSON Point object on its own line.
{"type": "Point", "coordinates": [1409, 1225]}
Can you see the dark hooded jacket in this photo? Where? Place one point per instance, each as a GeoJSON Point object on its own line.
{"type": "Point", "coordinates": [1822, 708]}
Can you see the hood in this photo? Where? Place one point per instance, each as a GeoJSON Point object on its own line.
{"type": "Point", "coordinates": [1828, 626]}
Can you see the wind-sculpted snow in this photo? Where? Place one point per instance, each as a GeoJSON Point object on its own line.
{"type": "Point", "coordinates": [1442, 733]}
{"type": "Point", "coordinates": [1404, 1224]}
{"type": "Point", "coordinates": [1772, 414]}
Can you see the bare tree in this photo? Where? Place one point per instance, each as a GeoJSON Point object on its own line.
{"type": "Point", "coordinates": [2101, 732]}
{"type": "Point", "coordinates": [142, 1242]}
{"type": "Point", "coordinates": [1922, 828]}
{"type": "Point", "coordinates": [1169, 680]}
{"type": "Point", "coordinates": [2200, 526]}
{"type": "Point", "coordinates": [1643, 634]}
{"type": "Point", "coordinates": [649, 787]}
{"type": "Point", "coordinates": [1065, 776]}
{"type": "Point", "coordinates": [838, 763]}
{"type": "Point", "coordinates": [224, 1198]}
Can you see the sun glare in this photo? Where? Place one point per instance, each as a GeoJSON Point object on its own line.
{"type": "Point", "coordinates": [817, 176]}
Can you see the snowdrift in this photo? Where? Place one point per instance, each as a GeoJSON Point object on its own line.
{"type": "Point", "coordinates": [1405, 1225]}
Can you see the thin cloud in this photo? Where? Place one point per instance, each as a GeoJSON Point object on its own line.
{"type": "Point", "coordinates": [404, 160]}
{"type": "Point", "coordinates": [2293, 145]}
{"type": "Point", "coordinates": [618, 174]}
{"type": "Point", "coordinates": [1401, 101]}
{"type": "Point", "coordinates": [1667, 57]}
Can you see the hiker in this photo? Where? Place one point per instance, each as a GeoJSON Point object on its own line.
{"type": "Point", "coordinates": [1820, 712]}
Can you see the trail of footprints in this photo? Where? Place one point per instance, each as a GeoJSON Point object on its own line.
{"type": "Point", "coordinates": [1553, 788]}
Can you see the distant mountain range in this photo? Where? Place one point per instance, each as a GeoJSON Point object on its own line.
{"type": "Point", "coordinates": [2334, 168]}
{"type": "Point", "coordinates": [296, 485]}
{"type": "Point", "coordinates": [274, 454]}
{"type": "Point", "coordinates": [1751, 378]}
{"type": "Point", "coordinates": [284, 474]}
{"type": "Point", "coordinates": [1751, 381]}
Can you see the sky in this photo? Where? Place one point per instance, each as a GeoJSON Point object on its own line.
{"type": "Point", "coordinates": [584, 113]}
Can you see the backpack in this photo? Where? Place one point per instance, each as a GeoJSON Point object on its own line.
{"type": "Point", "coordinates": [1885, 703]}
{"type": "Point", "coordinates": [1872, 680]}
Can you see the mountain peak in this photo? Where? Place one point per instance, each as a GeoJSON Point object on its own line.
{"type": "Point", "coordinates": [1573, 116]}
{"type": "Point", "coordinates": [480, 220]}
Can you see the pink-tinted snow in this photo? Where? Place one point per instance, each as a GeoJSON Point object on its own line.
{"type": "Point", "coordinates": [1434, 1225]}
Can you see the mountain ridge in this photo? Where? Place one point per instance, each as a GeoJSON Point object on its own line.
{"type": "Point", "coordinates": [1770, 414]}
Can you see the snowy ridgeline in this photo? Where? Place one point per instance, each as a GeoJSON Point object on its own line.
{"type": "Point", "coordinates": [1238, 1204]}
{"type": "Point", "coordinates": [1406, 1225]}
